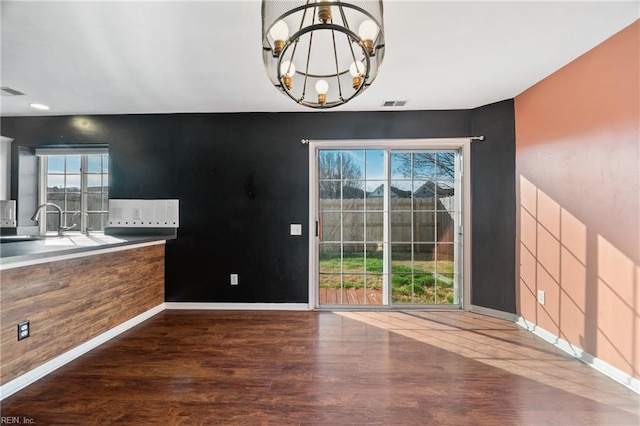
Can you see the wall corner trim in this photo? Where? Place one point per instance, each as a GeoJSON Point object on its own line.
{"type": "Point", "coordinates": [37, 373]}
{"type": "Point", "coordinates": [579, 353]}
{"type": "Point", "coordinates": [238, 306]}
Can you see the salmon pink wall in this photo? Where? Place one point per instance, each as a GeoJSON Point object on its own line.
{"type": "Point", "coordinates": [578, 183]}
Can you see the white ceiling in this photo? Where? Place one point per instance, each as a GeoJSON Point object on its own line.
{"type": "Point", "coordinates": [116, 57]}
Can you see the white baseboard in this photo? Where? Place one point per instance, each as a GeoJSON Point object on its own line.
{"type": "Point", "coordinates": [238, 306]}
{"type": "Point", "coordinates": [37, 373]}
{"type": "Point", "coordinates": [494, 313]}
{"type": "Point", "coordinates": [579, 353]}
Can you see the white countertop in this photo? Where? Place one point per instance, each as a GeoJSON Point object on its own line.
{"type": "Point", "coordinates": [51, 248]}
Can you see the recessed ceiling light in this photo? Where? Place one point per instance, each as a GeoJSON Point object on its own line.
{"type": "Point", "coordinates": [39, 106]}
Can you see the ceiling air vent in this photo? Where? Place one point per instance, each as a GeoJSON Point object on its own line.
{"type": "Point", "coordinates": [394, 103]}
{"type": "Point", "coordinates": [8, 91]}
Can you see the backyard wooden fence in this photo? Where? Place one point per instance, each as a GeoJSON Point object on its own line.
{"type": "Point", "coordinates": [421, 221]}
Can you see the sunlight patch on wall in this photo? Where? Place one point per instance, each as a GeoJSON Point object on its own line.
{"type": "Point", "coordinates": [591, 305]}
{"type": "Point", "coordinates": [617, 315]}
{"type": "Point", "coordinates": [573, 276]}
{"type": "Point", "coordinates": [553, 247]}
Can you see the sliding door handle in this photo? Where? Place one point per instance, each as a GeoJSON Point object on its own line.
{"type": "Point", "coordinates": [319, 229]}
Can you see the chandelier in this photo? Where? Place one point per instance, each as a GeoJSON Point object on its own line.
{"type": "Point", "coordinates": [322, 53]}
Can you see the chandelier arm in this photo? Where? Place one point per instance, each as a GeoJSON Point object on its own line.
{"type": "Point", "coordinates": [291, 61]}
{"type": "Point", "coordinates": [304, 15]}
{"type": "Point", "coordinates": [306, 71]}
{"type": "Point", "coordinates": [348, 33]}
{"type": "Point", "coordinates": [344, 17]}
{"type": "Point", "coordinates": [346, 25]}
{"type": "Point", "coordinates": [353, 54]}
{"type": "Point", "coordinates": [377, 42]}
{"type": "Point", "coordinates": [295, 45]}
{"type": "Point", "coordinates": [335, 57]}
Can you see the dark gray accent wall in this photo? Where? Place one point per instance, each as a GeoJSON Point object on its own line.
{"type": "Point", "coordinates": [493, 197]}
{"type": "Point", "coordinates": [241, 180]}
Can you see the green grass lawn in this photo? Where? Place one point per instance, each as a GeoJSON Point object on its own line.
{"type": "Point", "coordinates": [427, 282]}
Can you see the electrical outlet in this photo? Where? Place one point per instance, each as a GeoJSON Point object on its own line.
{"type": "Point", "coordinates": [234, 279]}
{"type": "Point", "coordinates": [541, 297]}
{"type": "Point", "coordinates": [23, 330]}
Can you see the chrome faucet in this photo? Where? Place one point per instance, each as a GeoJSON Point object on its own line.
{"type": "Point", "coordinates": [61, 228]}
{"type": "Point", "coordinates": [86, 226]}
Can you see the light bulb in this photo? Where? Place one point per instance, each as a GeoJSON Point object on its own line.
{"type": "Point", "coordinates": [367, 32]}
{"type": "Point", "coordinates": [356, 70]}
{"type": "Point", "coordinates": [279, 32]}
{"type": "Point", "coordinates": [287, 69]}
{"type": "Point", "coordinates": [322, 87]}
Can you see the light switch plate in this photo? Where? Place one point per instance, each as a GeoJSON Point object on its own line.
{"type": "Point", "coordinates": [296, 229]}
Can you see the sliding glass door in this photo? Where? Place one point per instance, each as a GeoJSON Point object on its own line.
{"type": "Point", "coordinates": [387, 227]}
{"type": "Point", "coordinates": [351, 227]}
{"type": "Point", "coordinates": [423, 223]}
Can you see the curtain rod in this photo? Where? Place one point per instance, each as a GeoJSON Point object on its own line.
{"type": "Point", "coordinates": [473, 138]}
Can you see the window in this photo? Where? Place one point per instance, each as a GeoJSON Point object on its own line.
{"type": "Point", "coordinates": [79, 184]}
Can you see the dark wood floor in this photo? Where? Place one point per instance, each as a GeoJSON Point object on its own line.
{"type": "Point", "coordinates": [281, 368]}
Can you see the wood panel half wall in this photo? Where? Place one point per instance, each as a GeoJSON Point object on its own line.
{"type": "Point", "coordinates": [69, 302]}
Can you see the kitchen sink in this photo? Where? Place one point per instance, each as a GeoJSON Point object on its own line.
{"type": "Point", "coordinates": [70, 239]}
{"type": "Point", "coordinates": [20, 238]}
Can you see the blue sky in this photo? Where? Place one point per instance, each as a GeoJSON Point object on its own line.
{"type": "Point", "coordinates": [371, 162]}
